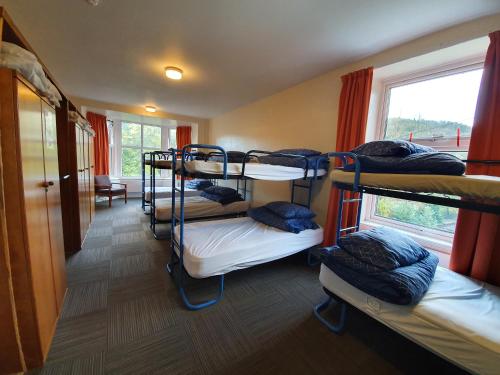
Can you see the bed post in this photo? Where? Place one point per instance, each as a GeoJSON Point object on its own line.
{"type": "Point", "coordinates": [180, 244]}
{"type": "Point", "coordinates": [339, 326]}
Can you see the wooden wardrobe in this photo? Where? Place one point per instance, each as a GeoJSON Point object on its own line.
{"type": "Point", "coordinates": [76, 161]}
{"type": "Point", "coordinates": [32, 216]}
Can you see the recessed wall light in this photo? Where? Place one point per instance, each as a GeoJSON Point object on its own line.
{"type": "Point", "coordinates": [173, 73]}
{"type": "Point", "coordinates": [150, 108]}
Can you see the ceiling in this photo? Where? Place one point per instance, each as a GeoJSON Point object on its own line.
{"type": "Point", "coordinates": [232, 51]}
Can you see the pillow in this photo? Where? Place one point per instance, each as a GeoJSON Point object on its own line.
{"type": "Point", "coordinates": [288, 210]}
{"type": "Point", "coordinates": [222, 199]}
{"type": "Point", "coordinates": [383, 247]}
{"type": "Point", "coordinates": [265, 216]}
{"type": "Point", "coordinates": [298, 151]}
{"type": "Point", "coordinates": [221, 191]}
{"type": "Point", "coordinates": [390, 148]}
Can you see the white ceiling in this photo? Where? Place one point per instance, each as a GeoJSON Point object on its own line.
{"type": "Point", "coordinates": [232, 51]}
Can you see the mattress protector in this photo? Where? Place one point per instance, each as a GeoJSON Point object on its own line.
{"type": "Point", "coordinates": [458, 318]}
{"type": "Point", "coordinates": [474, 186]}
{"type": "Point", "coordinates": [197, 206]}
{"type": "Point", "coordinates": [258, 171]}
{"type": "Point", "coordinates": [166, 192]}
{"type": "Point", "coordinates": [221, 246]}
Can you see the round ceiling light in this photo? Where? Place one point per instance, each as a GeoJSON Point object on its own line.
{"type": "Point", "coordinates": [150, 108]}
{"type": "Point", "coordinates": [173, 73]}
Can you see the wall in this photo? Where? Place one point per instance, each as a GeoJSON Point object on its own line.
{"type": "Point", "coordinates": [202, 122]}
{"type": "Point", "coordinates": [306, 115]}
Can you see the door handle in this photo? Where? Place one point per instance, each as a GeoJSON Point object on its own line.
{"type": "Point", "coordinates": [46, 184]}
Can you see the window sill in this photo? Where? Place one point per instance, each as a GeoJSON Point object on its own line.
{"type": "Point", "coordinates": [440, 248]}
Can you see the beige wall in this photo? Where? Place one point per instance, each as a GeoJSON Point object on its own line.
{"type": "Point", "coordinates": [202, 122]}
{"type": "Point", "coordinates": [306, 115]}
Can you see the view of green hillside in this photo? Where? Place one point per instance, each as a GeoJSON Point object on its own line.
{"type": "Point", "coordinates": [400, 128]}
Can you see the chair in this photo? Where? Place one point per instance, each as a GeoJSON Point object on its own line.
{"type": "Point", "coordinates": [104, 188]}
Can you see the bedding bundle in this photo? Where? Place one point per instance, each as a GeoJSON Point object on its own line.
{"type": "Point", "coordinates": [401, 156]}
{"type": "Point", "coordinates": [286, 216]}
{"type": "Point", "coordinates": [198, 184]}
{"type": "Point", "coordinates": [232, 157]}
{"type": "Point", "coordinates": [14, 57]}
{"type": "Point", "coordinates": [221, 194]}
{"type": "Point", "coordinates": [306, 158]}
{"type": "Point", "coordinates": [383, 263]}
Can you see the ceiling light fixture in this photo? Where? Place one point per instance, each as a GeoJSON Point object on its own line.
{"type": "Point", "coordinates": [94, 2]}
{"type": "Point", "coordinates": [173, 73]}
{"type": "Point", "coordinates": [150, 108]}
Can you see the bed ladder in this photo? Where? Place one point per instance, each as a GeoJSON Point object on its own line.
{"type": "Point", "coordinates": [353, 198]}
{"type": "Point", "coordinates": [178, 260]}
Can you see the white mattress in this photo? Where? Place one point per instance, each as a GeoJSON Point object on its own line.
{"type": "Point", "coordinates": [166, 192]}
{"type": "Point", "coordinates": [198, 206]}
{"type": "Point", "coordinates": [458, 318]}
{"type": "Point", "coordinates": [221, 246]}
{"type": "Point", "coordinates": [258, 171]}
{"type": "Point", "coordinates": [475, 186]}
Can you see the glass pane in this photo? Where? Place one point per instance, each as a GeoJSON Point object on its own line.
{"type": "Point", "coordinates": [172, 138]}
{"type": "Point", "coordinates": [434, 108]}
{"type": "Point", "coordinates": [151, 137]}
{"type": "Point", "coordinates": [131, 162]}
{"type": "Point", "coordinates": [131, 134]}
{"type": "Point", "coordinates": [417, 213]}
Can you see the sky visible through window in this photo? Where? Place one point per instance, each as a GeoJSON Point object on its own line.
{"type": "Point", "coordinates": [450, 98]}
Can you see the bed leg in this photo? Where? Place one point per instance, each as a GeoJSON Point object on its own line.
{"type": "Point", "coordinates": [336, 328]}
{"type": "Point", "coordinates": [311, 259]}
{"type": "Point", "coordinates": [202, 305]}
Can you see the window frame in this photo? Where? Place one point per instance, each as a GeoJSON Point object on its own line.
{"type": "Point", "coordinates": [431, 238]}
{"type": "Point", "coordinates": [118, 148]}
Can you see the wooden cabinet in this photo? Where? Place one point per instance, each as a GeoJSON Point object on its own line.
{"type": "Point", "coordinates": [31, 183]}
{"type": "Point", "coordinates": [84, 176]}
{"type": "Point", "coordinates": [77, 178]}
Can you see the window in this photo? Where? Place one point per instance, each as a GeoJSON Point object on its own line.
{"type": "Point", "coordinates": [437, 111]}
{"type": "Point", "coordinates": [137, 139]}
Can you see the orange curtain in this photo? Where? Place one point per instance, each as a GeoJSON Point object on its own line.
{"type": "Point", "coordinates": [101, 143]}
{"type": "Point", "coordinates": [183, 136]}
{"type": "Point", "coordinates": [351, 130]}
{"type": "Point", "coordinates": [476, 245]}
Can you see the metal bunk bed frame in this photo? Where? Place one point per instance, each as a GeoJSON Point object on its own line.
{"type": "Point", "coordinates": [358, 190]}
{"type": "Point", "coordinates": [178, 260]}
{"type": "Point", "coordinates": [241, 186]}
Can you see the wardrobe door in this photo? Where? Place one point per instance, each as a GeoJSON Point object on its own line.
{"type": "Point", "coordinates": [86, 186]}
{"type": "Point", "coordinates": [37, 224]}
{"type": "Point", "coordinates": [81, 180]}
{"type": "Point", "coordinates": [91, 176]}
{"type": "Point", "coordinates": [54, 202]}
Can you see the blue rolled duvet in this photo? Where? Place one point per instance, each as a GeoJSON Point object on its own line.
{"type": "Point", "coordinates": [383, 263]}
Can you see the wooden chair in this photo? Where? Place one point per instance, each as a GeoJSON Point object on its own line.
{"type": "Point", "coordinates": [104, 188]}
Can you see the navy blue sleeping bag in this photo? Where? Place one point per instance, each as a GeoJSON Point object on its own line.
{"type": "Point", "coordinates": [399, 156]}
{"type": "Point", "coordinates": [421, 163]}
{"type": "Point", "coordinates": [384, 263]}
{"type": "Point", "coordinates": [306, 158]}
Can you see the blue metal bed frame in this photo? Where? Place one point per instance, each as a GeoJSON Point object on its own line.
{"type": "Point", "coordinates": [178, 260]}
{"type": "Point", "coordinates": [359, 189]}
{"type": "Point", "coordinates": [164, 155]}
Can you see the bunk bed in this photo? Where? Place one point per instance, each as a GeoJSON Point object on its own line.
{"type": "Point", "coordinates": [196, 206]}
{"type": "Point", "coordinates": [443, 320]}
{"type": "Point", "coordinates": [213, 248]}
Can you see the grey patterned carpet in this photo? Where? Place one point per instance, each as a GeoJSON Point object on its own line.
{"type": "Point", "coordinates": [122, 315]}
